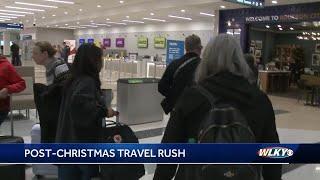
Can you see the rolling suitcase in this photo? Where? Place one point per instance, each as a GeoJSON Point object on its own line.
{"type": "Point", "coordinates": [41, 169]}
{"type": "Point", "coordinates": [12, 171]}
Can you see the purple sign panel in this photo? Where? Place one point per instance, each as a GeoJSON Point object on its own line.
{"type": "Point", "coordinates": [81, 41]}
{"type": "Point", "coordinates": [107, 42]}
{"type": "Point", "coordinates": [119, 42]}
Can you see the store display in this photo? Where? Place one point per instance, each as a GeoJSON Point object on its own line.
{"type": "Point", "coordinates": [142, 42]}
{"type": "Point", "coordinates": [315, 59]}
{"type": "Point", "coordinates": [119, 42]}
{"type": "Point", "coordinates": [317, 50]}
{"type": "Point", "coordinates": [160, 42]}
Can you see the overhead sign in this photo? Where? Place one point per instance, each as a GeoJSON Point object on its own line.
{"type": "Point", "coordinates": [11, 26]}
{"type": "Point", "coordinates": [81, 41]}
{"type": "Point", "coordinates": [160, 42]}
{"type": "Point", "coordinates": [119, 42]}
{"type": "Point", "coordinates": [253, 3]}
{"type": "Point", "coordinates": [90, 41]}
{"type": "Point", "coordinates": [107, 42]}
{"type": "Point", "coordinates": [175, 50]}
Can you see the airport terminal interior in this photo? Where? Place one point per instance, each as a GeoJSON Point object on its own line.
{"type": "Point", "coordinates": [138, 39]}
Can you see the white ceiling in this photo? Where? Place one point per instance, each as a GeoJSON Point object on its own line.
{"type": "Point", "coordinates": [116, 12]}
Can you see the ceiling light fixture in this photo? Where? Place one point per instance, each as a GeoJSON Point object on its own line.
{"type": "Point", "coordinates": [7, 14]}
{"type": "Point", "coordinates": [101, 24]}
{"type": "Point", "coordinates": [43, 17]}
{"type": "Point", "coordinates": [279, 26]}
{"type": "Point", "coordinates": [110, 22]}
{"type": "Point", "coordinates": [91, 21]}
{"type": "Point", "coordinates": [121, 2]}
{"type": "Point", "coordinates": [178, 17]}
{"type": "Point", "coordinates": [140, 22]}
{"type": "Point", "coordinates": [80, 10]}
{"type": "Point", "coordinates": [38, 5]}
{"type": "Point", "coordinates": [53, 15]}
{"type": "Point", "coordinates": [58, 1]}
{"type": "Point", "coordinates": [66, 13]}
{"type": "Point", "coordinates": [151, 19]}
{"type": "Point", "coordinates": [267, 26]}
{"type": "Point", "coordinates": [291, 28]}
{"type": "Point", "coordinates": [274, 2]}
{"type": "Point", "coordinates": [66, 24]}
{"type": "Point", "coordinates": [108, 19]}
{"type": "Point", "coordinates": [98, 6]}
{"type": "Point", "coordinates": [280, 29]}
{"type": "Point", "coordinates": [223, 7]}
{"type": "Point", "coordinates": [10, 17]}
{"type": "Point", "coordinates": [78, 22]}
{"type": "Point", "coordinates": [206, 14]}
{"type": "Point", "coordinates": [87, 25]}
{"type": "Point", "coordinates": [21, 8]}
{"type": "Point", "coordinates": [57, 25]}
{"type": "Point", "coordinates": [22, 12]}
{"type": "Point", "coordinates": [48, 26]}
{"type": "Point", "coordinates": [182, 10]}
{"type": "Point", "coordinates": [151, 14]}
{"type": "Point", "coordinates": [5, 19]}
{"type": "Point", "coordinates": [127, 17]}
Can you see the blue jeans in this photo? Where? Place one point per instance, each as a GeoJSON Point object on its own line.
{"type": "Point", "coordinates": [3, 116]}
{"type": "Point", "coordinates": [77, 172]}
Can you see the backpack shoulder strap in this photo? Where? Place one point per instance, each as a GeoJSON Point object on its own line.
{"type": "Point", "coordinates": [212, 100]}
{"type": "Point", "coordinates": [183, 65]}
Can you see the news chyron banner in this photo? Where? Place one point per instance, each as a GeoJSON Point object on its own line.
{"type": "Point", "coordinates": [159, 153]}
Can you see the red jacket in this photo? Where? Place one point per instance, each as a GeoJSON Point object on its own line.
{"type": "Point", "coordinates": [11, 80]}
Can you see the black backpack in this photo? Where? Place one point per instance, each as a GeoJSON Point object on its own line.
{"type": "Point", "coordinates": [224, 123]}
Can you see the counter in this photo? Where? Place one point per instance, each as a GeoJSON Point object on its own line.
{"type": "Point", "coordinates": [274, 81]}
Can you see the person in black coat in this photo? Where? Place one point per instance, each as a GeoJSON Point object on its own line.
{"type": "Point", "coordinates": [224, 72]}
{"type": "Point", "coordinates": [172, 82]}
{"type": "Point", "coordinates": [82, 109]}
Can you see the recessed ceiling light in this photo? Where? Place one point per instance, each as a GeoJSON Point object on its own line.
{"type": "Point", "coordinates": [267, 26]}
{"type": "Point", "coordinates": [121, 2]}
{"type": "Point", "coordinates": [89, 25]}
{"type": "Point", "coordinates": [21, 8]}
{"type": "Point", "coordinates": [80, 9]}
{"type": "Point", "coordinates": [151, 19]}
{"type": "Point", "coordinates": [58, 1]}
{"type": "Point", "coordinates": [291, 29]}
{"type": "Point", "coordinates": [223, 7]}
{"type": "Point", "coordinates": [22, 12]}
{"type": "Point", "coordinates": [178, 17]}
{"type": "Point", "coordinates": [127, 17]}
{"type": "Point", "coordinates": [91, 21]}
{"type": "Point", "coordinates": [279, 26]}
{"type": "Point", "coordinates": [99, 6]}
{"type": "Point", "coordinates": [274, 2]}
{"type": "Point", "coordinates": [78, 22]}
{"type": "Point", "coordinates": [66, 12]}
{"type": "Point", "coordinates": [48, 26]}
{"type": "Point", "coordinates": [57, 25]}
{"type": "Point", "coordinates": [53, 15]}
{"type": "Point", "coordinates": [66, 24]}
{"type": "Point", "coordinates": [206, 14]}
{"type": "Point", "coordinates": [140, 22]}
{"type": "Point", "coordinates": [32, 4]}
{"type": "Point", "coordinates": [152, 14]}
{"type": "Point", "coordinates": [7, 14]}
{"type": "Point", "coordinates": [43, 17]}
{"type": "Point", "coordinates": [108, 19]}
{"type": "Point", "coordinates": [182, 10]}
{"type": "Point", "coordinates": [280, 29]}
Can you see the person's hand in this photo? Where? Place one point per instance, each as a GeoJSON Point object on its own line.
{"type": "Point", "coordinates": [111, 112]}
{"type": "Point", "coordinates": [3, 93]}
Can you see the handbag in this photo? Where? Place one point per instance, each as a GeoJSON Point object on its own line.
{"type": "Point", "coordinates": [116, 132]}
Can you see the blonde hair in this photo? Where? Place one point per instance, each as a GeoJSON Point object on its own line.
{"type": "Point", "coordinates": [46, 46]}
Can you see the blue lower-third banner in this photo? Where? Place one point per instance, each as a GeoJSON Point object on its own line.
{"type": "Point", "coordinates": [159, 153]}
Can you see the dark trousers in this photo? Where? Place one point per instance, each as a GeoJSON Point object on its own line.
{"type": "Point", "coordinates": [77, 172]}
{"type": "Point", "coordinates": [3, 116]}
{"type": "Point", "coordinates": [16, 60]}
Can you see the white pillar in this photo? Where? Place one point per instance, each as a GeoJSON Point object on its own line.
{"type": "Point", "coordinates": [216, 23]}
{"type": "Point", "coordinates": [6, 43]}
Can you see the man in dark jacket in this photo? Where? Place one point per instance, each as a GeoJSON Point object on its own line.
{"type": "Point", "coordinates": [14, 48]}
{"type": "Point", "coordinates": [180, 73]}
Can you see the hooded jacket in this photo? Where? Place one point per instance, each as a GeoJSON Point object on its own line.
{"type": "Point", "coordinates": [11, 80]}
{"type": "Point", "coordinates": [193, 106]}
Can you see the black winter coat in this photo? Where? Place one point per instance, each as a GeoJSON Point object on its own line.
{"type": "Point", "coordinates": [81, 112]}
{"type": "Point", "coordinates": [192, 107]}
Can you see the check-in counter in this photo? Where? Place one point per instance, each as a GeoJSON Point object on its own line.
{"type": "Point", "coordinates": [138, 100]}
{"type": "Point", "coordinates": [274, 81]}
